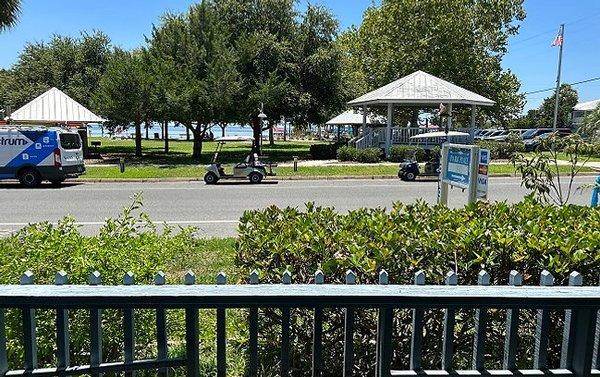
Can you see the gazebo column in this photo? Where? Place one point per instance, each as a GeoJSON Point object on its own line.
{"type": "Point", "coordinates": [364, 124]}
{"type": "Point", "coordinates": [450, 116]}
{"type": "Point", "coordinates": [473, 115]}
{"type": "Point", "coordinates": [388, 130]}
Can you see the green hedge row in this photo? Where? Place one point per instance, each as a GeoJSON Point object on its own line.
{"type": "Point", "coordinates": [325, 151]}
{"type": "Point", "coordinates": [367, 155]}
{"type": "Point", "coordinates": [527, 237]}
{"type": "Point", "coordinates": [502, 150]}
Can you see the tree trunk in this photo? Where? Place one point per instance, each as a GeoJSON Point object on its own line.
{"type": "Point", "coordinates": [187, 134]}
{"type": "Point", "coordinates": [197, 146]}
{"type": "Point", "coordinates": [257, 133]}
{"type": "Point", "coordinates": [223, 126]}
{"type": "Point", "coordinates": [138, 139]}
{"type": "Point", "coordinates": [147, 127]}
{"type": "Point", "coordinates": [271, 137]}
{"type": "Point", "coordinates": [166, 135]}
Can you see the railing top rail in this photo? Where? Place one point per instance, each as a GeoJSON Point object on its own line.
{"type": "Point", "coordinates": [299, 295]}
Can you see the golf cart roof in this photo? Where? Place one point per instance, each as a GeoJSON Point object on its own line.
{"type": "Point", "coordinates": [439, 134]}
{"type": "Point", "coordinates": [234, 138]}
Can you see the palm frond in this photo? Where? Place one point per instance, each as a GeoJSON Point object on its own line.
{"type": "Point", "coordinates": [9, 12]}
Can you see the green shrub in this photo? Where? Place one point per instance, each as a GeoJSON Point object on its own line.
{"type": "Point", "coordinates": [127, 243]}
{"type": "Point", "coordinates": [346, 154]}
{"type": "Point", "coordinates": [399, 153]}
{"type": "Point", "coordinates": [367, 155]}
{"type": "Point", "coordinates": [324, 151]}
{"type": "Point", "coordinates": [527, 237]}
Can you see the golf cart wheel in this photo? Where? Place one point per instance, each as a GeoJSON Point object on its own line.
{"type": "Point", "coordinates": [255, 177]}
{"type": "Point", "coordinates": [30, 177]}
{"type": "Point", "coordinates": [210, 178]}
{"type": "Point", "coordinates": [410, 176]}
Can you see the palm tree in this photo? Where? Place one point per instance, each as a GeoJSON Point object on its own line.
{"type": "Point", "coordinates": [9, 11]}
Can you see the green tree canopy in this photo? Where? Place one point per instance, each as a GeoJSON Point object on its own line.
{"type": "Point", "coordinates": [9, 11]}
{"type": "Point", "coordinates": [591, 123]}
{"type": "Point", "coordinates": [567, 101]}
{"type": "Point", "coordinates": [123, 94]}
{"type": "Point", "coordinates": [462, 41]}
{"type": "Point", "coordinates": [73, 65]}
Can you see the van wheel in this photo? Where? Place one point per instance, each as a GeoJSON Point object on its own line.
{"type": "Point", "coordinates": [30, 177]}
{"type": "Point", "coordinates": [255, 177]}
{"type": "Point", "coordinates": [210, 178]}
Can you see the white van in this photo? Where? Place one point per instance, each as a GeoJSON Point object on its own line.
{"type": "Point", "coordinates": [35, 154]}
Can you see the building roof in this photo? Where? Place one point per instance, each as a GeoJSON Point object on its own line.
{"type": "Point", "coordinates": [421, 88]}
{"type": "Point", "coordinates": [352, 117]}
{"type": "Point", "coordinates": [587, 106]}
{"type": "Point", "coordinates": [54, 106]}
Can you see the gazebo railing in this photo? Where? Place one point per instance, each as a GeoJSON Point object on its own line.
{"type": "Point", "coordinates": [375, 138]}
{"type": "Point", "coordinates": [580, 304]}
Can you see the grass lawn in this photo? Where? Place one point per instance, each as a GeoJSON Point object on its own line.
{"type": "Point", "coordinates": [180, 152]}
{"type": "Point", "coordinates": [149, 172]}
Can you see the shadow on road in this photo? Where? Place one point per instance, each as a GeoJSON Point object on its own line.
{"type": "Point", "coordinates": [239, 183]}
{"type": "Point", "coordinates": [17, 186]}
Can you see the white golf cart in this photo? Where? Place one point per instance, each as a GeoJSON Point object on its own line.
{"type": "Point", "coordinates": [251, 168]}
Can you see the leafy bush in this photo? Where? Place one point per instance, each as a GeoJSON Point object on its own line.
{"type": "Point", "coordinates": [367, 155]}
{"type": "Point", "coordinates": [399, 153]}
{"type": "Point", "coordinates": [324, 151]}
{"type": "Point", "coordinates": [127, 243]}
{"type": "Point", "coordinates": [527, 237]}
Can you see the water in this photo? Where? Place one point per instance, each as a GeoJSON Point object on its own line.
{"type": "Point", "coordinates": [175, 132]}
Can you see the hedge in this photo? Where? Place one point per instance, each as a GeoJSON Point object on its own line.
{"type": "Point", "coordinates": [367, 155]}
{"type": "Point", "coordinates": [527, 237]}
{"type": "Point", "coordinates": [502, 150]}
{"type": "Point", "coordinates": [324, 151]}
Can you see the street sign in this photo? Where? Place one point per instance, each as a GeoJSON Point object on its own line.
{"type": "Point", "coordinates": [482, 173]}
{"type": "Point", "coordinates": [457, 171]}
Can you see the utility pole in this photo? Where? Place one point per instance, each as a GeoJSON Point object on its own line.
{"type": "Point", "coordinates": [560, 41]}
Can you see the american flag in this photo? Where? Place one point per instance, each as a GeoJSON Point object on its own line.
{"type": "Point", "coordinates": [558, 41]}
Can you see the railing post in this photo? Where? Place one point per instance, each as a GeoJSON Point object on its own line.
{"type": "Point", "coordinates": [192, 351]}
{"type": "Point", "coordinates": [317, 355]}
{"type": "Point", "coordinates": [583, 342]}
{"type": "Point", "coordinates": [29, 335]}
{"type": "Point", "coordinates": [285, 331]}
{"type": "Point", "coordinates": [128, 328]}
{"type": "Point", "coordinates": [384, 334]}
{"type": "Point", "coordinates": [515, 279]}
{"type": "Point", "coordinates": [253, 333]}
{"type": "Point", "coordinates": [596, 359]}
{"type": "Point", "coordinates": [95, 328]}
{"type": "Point", "coordinates": [161, 328]}
{"type": "Point", "coordinates": [62, 329]}
{"type": "Point", "coordinates": [566, 355]}
{"type": "Point", "coordinates": [417, 329]}
{"type": "Point", "coordinates": [349, 331]}
{"type": "Point", "coordinates": [481, 316]}
{"type": "Point", "coordinates": [221, 333]}
{"type": "Point", "coordinates": [449, 323]}
{"type": "Point", "coordinates": [542, 331]}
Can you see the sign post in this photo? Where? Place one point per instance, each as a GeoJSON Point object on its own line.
{"type": "Point", "coordinates": [461, 168]}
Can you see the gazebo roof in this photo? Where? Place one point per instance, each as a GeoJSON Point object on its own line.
{"type": "Point", "coordinates": [421, 88]}
{"type": "Point", "coordinates": [54, 106]}
{"type": "Point", "coordinates": [587, 106]}
{"type": "Point", "coordinates": [352, 117]}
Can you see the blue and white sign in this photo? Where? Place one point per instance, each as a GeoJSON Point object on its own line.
{"type": "Point", "coordinates": [458, 167]}
{"type": "Point", "coordinates": [482, 173]}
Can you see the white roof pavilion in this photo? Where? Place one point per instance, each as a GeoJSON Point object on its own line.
{"type": "Point", "coordinates": [421, 88]}
{"type": "Point", "coordinates": [54, 106]}
{"type": "Point", "coordinates": [587, 106]}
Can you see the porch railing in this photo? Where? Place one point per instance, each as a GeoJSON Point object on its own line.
{"type": "Point", "coordinates": [402, 136]}
{"type": "Point", "coordinates": [580, 304]}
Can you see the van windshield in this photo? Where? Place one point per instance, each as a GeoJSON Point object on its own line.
{"type": "Point", "coordinates": [70, 141]}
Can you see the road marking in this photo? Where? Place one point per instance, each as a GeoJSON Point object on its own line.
{"type": "Point", "coordinates": [170, 222]}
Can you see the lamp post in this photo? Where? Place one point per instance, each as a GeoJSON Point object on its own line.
{"type": "Point", "coordinates": [261, 118]}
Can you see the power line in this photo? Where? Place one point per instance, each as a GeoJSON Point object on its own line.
{"type": "Point", "coordinates": [572, 84]}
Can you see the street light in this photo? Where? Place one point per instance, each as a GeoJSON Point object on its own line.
{"type": "Point", "coordinates": [262, 116]}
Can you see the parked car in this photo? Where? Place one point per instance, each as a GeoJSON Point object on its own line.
{"type": "Point", "coordinates": [533, 143]}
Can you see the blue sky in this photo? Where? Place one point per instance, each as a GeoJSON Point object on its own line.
{"type": "Point", "coordinates": [530, 55]}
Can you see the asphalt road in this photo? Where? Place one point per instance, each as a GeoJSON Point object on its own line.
{"type": "Point", "coordinates": [216, 209]}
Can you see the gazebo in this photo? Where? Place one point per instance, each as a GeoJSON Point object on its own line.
{"type": "Point", "coordinates": [419, 89]}
{"type": "Point", "coordinates": [353, 118]}
{"type": "Point", "coordinates": [55, 107]}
